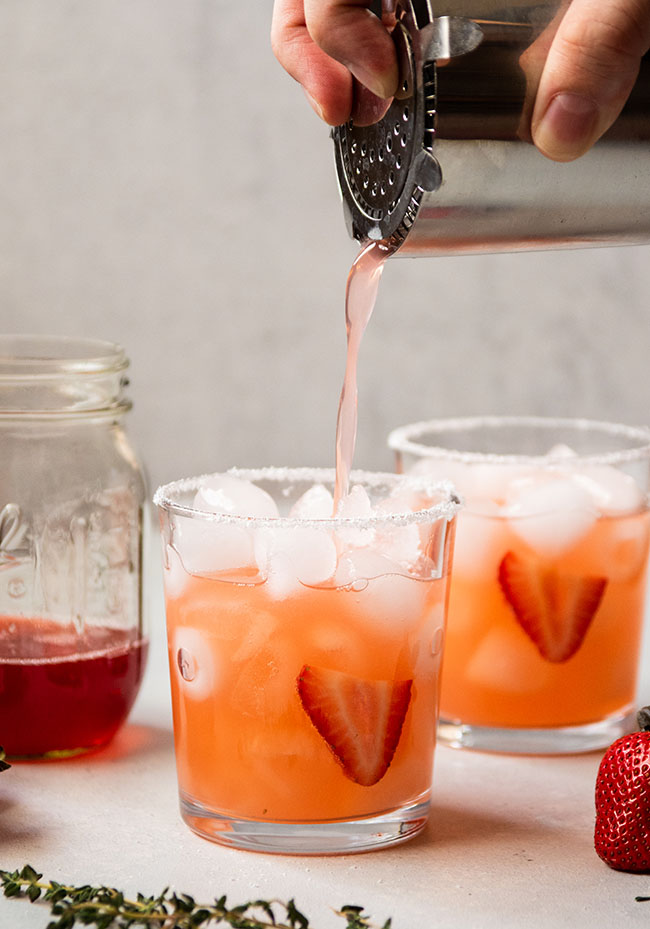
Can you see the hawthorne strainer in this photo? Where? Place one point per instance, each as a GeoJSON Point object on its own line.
{"type": "Point", "coordinates": [450, 168]}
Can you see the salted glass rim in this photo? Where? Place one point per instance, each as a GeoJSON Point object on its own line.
{"type": "Point", "coordinates": [43, 356]}
{"type": "Point", "coordinates": [444, 509]}
{"type": "Point", "coordinates": [403, 439]}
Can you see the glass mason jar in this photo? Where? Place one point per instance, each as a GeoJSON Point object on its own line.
{"type": "Point", "coordinates": [72, 497]}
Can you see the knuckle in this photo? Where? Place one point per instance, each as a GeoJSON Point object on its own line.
{"type": "Point", "coordinates": [287, 44]}
{"type": "Point", "coordinates": [615, 35]}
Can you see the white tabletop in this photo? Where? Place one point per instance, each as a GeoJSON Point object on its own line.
{"type": "Point", "coordinates": [510, 841]}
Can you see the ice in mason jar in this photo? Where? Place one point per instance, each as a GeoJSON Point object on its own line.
{"type": "Point", "coordinates": [305, 654]}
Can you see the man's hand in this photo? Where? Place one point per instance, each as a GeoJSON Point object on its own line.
{"type": "Point", "coordinates": [592, 64]}
{"type": "Point", "coordinates": [327, 44]}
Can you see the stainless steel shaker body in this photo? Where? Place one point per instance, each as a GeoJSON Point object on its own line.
{"type": "Point", "coordinates": [451, 169]}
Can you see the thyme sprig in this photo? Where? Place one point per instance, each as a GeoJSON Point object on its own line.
{"type": "Point", "coordinates": [106, 907]}
{"type": "Point", "coordinates": [3, 764]}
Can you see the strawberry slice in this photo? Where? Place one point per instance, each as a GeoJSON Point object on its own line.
{"type": "Point", "coordinates": [555, 610]}
{"type": "Point", "coordinates": [360, 720]}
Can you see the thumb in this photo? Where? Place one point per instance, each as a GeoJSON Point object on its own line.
{"type": "Point", "coordinates": [350, 33]}
{"type": "Point", "coordinates": [591, 68]}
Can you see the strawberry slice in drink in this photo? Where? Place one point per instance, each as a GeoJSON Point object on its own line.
{"type": "Point", "coordinates": [360, 720]}
{"type": "Point", "coordinates": [555, 610]}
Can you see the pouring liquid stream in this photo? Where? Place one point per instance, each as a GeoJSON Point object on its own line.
{"type": "Point", "coordinates": [360, 297]}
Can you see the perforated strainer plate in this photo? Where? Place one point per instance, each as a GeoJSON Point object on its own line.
{"type": "Point", "coordinates": [385, 169]}
{"type": "Point", "coordinates": [376, 164]}
{"type": "Point", "coordinates": [376, 159]}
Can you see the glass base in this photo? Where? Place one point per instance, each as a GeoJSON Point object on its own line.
{"type": "Point", "coordinates": [333, 837]}
{"type": "Point", "coordinates": [564, 740]}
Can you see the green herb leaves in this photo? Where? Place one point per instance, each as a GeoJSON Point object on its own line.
{"type": "Point", "coordinates": [107, 908]}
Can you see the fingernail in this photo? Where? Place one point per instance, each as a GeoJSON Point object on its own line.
{"type": "Point", "coordinates": [382, 85]}
{"type": "Point", "coordinates": [315, 105]}
{"type": "Point", "coordinates": [566, 128]}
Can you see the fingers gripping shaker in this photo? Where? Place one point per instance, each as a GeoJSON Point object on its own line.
{"type": "Point", "coordinates": [451, 168]}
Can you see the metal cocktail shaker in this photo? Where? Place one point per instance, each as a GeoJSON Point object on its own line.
{"type": "Point", "coordinates": [451, 169]}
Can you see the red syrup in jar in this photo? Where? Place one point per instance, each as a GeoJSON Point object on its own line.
{"type": "Point", "coordinates": [62, 692]}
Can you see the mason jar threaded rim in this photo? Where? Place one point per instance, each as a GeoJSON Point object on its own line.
{"type": "Point", "coordinates": [62, 376]}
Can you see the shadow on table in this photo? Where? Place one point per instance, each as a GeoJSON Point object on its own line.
{"type": "Point", "coordinates": [451, 825]}
{"type": "Point", "coordinates": [135, 745]}
{"type": "Point", "coordinates": [134, 739]}
{"type": "Point", "coordinates": [131, 741]}
{"type": "Point", "coordinates": [10, 830]}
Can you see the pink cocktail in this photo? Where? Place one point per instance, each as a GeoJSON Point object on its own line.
{"type": "Point", "coordinates": [548, 593]}
{"type": "Point", "coordinates": [304, 654]}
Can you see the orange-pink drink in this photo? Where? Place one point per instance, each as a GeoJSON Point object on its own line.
{"type": "Point", "coordinates": [557, 637]}
{"type": "Point", "coordinates": [305, 656]}
{"type": "Point", "coordinates": [547, 598]}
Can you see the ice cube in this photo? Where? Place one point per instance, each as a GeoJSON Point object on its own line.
{"type": "Point", "coordinates": [626, 549]}
{"type": "Point", "coordinates": [302, 555]}
{"type": "Point", "coordinates": [561, 451]}
{"type": "Point", "coordinates": [498, 665]}
{"type": "Point", "coordinates": [481, 542]}
{"type": "Point", "coordinates": [265, 684]}
{"type": "Point", "coordinates": [401, 501]}
{"type": "Point", "coordinates": [477, 481]}
{"type": "Point", "coordinates": [440, 469]}
{"type": "Point", "coordinates": [551, 515]}
{"type": "Point", "coordinates": [281, 580]}
{"type": "Point", "coordinates": [491, 482]}
{"type": "Point", "coordinates": [387, 596]}
{"type": "Point", "coordinates": [358, 566]}
{"type": "Point", "coordinates": [394, 601]}
{"type": "Point", "coordinates": [207, 547]}
{"type": "Point", "coordinates": [400, 543]}
{"type": "Point", "coordinates": [192, 661]}
{"type": "Point", "coordinates": [278, 757]}
{"type": "Point", "coordinates": [259, 631]}
{"type": "Point", "coordinates": [315, 503]}
{"type": "Point", "coordinates": [313, 554]}
{"type": "Point", "coordinates": [618, 550]}
{"type": "Point", "coordinates": [335, 640]}
{"type": "Point", "coordinates": [612, 490]}
{"type": "Point", "coordinates": [356, 504]}
{"type": "Point", "coordinates": [223, 493]}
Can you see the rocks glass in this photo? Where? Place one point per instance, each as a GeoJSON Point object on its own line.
{"type": "Point", "coordinates": [548, 591]}
{"type": "Point", "coordinates": [304, 653]}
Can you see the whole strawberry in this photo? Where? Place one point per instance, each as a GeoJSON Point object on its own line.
{"type": "Point", "coordinates": [622, 836]}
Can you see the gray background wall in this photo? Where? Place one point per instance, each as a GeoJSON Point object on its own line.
{"type": "Point", "coordinates": [164, 184]}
